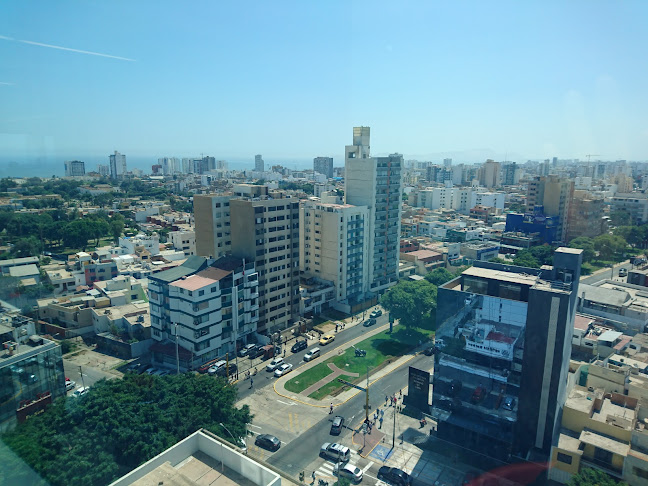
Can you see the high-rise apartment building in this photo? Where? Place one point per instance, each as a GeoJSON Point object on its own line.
{"type": "Point", "coordinates": [103, 170]}
{"type": "Point", "coordinates": [212, 221]}
{"type": "Point", "coordinates": [489, 174]}
{"type": "Point", "coordinates": [206, 308]}
{"type": "Point", "coordinates": [586, 216]}
{"type": "Point", "coordinates": [265, 230]}
{"type": "Point", "coordinates": [170, 165]}
{"type": "Point", "coordinates": [510, 174]}
{"type": "Point", "coordinates": [555, 194]}
{"type": "Point", "coordinates": [447, 163]}
{"type": "Point", "coordinates": [376, 182]}
{"type": "Point", "coordinates": [118, 166]}
{"type": "Point", "coordinates": [323, 165]}
{"type": "Point", "coordinates": [259, 164]}
{"type": "Point", "coordinates": [74, 168]}
{"type": "Point", "coordinates": [504, 337]}
{"type": "Point", "coordinates": [334, 244]}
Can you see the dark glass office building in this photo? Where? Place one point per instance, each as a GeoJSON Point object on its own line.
{"type": "Point", "coordinates": [504, 334]}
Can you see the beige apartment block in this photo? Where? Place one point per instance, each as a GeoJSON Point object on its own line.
{"type": "Point", "coordinates": [212, 219]}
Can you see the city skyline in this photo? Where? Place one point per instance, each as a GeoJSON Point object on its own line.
{"type": "Point", "coordinates": [521, 81]}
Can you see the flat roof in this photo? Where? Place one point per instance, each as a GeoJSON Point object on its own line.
{"type": "Point", "coordinates": [421, 254]}
{"type": "Point", "coordinates": [582, 322]}
{"type": "Point", "coordinates": [194, 282]}
{"type": "Point", "coordinates": [501, 275]}
{"type": "Point", "coordinates": [612, 445]}
{"type": "Point", "coordinates": [610, 336]}
{"type": "Point", "coordinates": [24, 270]}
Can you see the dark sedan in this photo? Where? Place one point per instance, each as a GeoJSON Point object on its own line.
{"type": "Point", "coordinates": [268, 441]}
{"type": "Point", "coordinates": [394, 476]}
{"type": "Point", "coordinates": [299, 346]}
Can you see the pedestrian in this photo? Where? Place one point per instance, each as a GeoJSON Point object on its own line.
{"type": "Point", "coordinates": [380, 421]}
{"type": "Point", "coordinates": [400, 392]}
{"type": "Point", "coordinates": [313, 476]}
{"type": "Point", "coordinates": [331, 409]}
{"type": "Point", "coordinates": [251, 382]}
{"type": "Point", "coordinates": [386, 400]}
{"type": "Point", "coordinates": [382, 414]}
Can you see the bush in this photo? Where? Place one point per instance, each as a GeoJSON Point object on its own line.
{"type": "Point", "coordinates": [587, 269]}
{"type": "Point", "coordinates": [66, 346]}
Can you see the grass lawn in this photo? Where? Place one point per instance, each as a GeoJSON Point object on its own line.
{"type": "Point", "coordinates": [380, 348]}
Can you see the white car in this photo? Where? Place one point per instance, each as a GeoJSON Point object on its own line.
{"type": "Point", "coordinates": [283, 369]}
{"type": "Point", "coordinates": [274, 364]}
{"type": "Point", "coordinates": [348, 471]}
{"type": "Point", "coordinates": [79, 392]}
{"type": "Point", "coordinates": [69, 385]}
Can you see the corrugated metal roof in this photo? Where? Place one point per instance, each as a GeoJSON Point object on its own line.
{"type": "Point", "coordinates": [192, 265]}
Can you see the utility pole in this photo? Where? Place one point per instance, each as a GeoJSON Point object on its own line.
{"type": "Point", "coordinates": [394, 430]}
{"type": "Point", "coordinates": [367, 397]}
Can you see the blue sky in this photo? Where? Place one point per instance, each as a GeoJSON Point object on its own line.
{"type": "Point", "coordinates": [289, 80]}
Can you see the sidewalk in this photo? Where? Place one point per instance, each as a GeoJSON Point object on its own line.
{"type": "Point", "coordinates": [348, 394]}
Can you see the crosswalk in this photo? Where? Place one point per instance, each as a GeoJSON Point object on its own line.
{"type": "Point", "coordinates": [326, 469]}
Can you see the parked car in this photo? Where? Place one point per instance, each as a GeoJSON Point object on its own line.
{"type": "Point", "coordinates": [478, 394]}
{"type": "Point", "coordinates": [369, 322]}
{"type": "Point", "coordinates": [326, 339]}
{"type": "Point", "coordinates": [509, 403]}
{"type": "Point", "coordinates": [348, 471]}
{"type": "Point", "coordinates": [246, 349]}
{"type": "Point", "coordinates": [283, 369]}
{"type": "Point", "coordinates": [430, 351]}
{"type": "Point", "coordinates": [335, 452]}
{"type": "Point", "coordinates": [274, 364]}
{"type": "Point", "coordinates": [299, 346]}
{"type": "Point", "coordinates": [134, 367]}
{"type": "Point", "coordinates": [376, 313]}
{"type": "Point", "coordinates": [268, 441]}
{"type": "Point", "coordinates": [336, 426]}
{"type": "Point", "coordinates": [79, 392]}
{"type": "Point", "coordinates": [151, 370]}
{"type": "Point", "coordinates": [216, 367]}
{"type": "Point", "coordinates": [312, 354]}
{"type": "Point", "coordinates": [70, 385]}
{"type": "Point", "coordinates": [394, 476]}
{"type": "Point", "coordinates": [227, 370]}
{"type": "Point", "coordinates": [255, 352]}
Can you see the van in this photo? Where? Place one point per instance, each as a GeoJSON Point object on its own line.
{"type": "Point", "coordinates": [312, 354]}
{"type": "Point", "coordinates": [216, 366]}
{"type": "Point", "coordinates": [335, 452]}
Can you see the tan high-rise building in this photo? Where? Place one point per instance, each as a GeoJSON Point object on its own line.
{"type": "Point", "coordinates": [212, 219]}
{"type": "Point", "coordinates": [555, 194]}
{"type": "Point", "coordinates": [334, 246]}
{"type": "Point", "coordinates": [586, 216]}
{"type": "Point", "coordinates": [265, 230]}
{"type": "Point", "coordinates": [489, 174]}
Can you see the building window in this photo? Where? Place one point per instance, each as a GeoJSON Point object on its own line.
{"type": "Point", "coordinates": [641, 473]}
{"type": "Point", "coordinates": [566, 458]}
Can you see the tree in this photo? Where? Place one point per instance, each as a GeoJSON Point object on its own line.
{"type": "Point", "coordinates": [592, 477]}
{"type": "Point", "coordinates": [608, 246]}
{"type": "Point", "coordinates": [543, 254]}
{"type": "Point", "coordinates": [26, 247]}
{"type": "Point", "coordinates": [439, 276]}
{"type": "Point", "coordinates": [524, 258]}
{"type": "Point", "coordinates": [117, 226]}
{"type": "Point", "coordinates": [122, 423]}
{"type": "Point", "coordinates": [620, 218]}
{"type": "Point", "coordinates": [76, 234]}
{"type": "Point", "coordinates": [412, 303]}
{"type": "Point", "coordinates": [587, 245]}
{"type": "Point", "coordinates": [498, 260]}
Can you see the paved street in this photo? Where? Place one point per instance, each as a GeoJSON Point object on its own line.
{"type": "Point", "coordinates": [606, 274]}
{"type": "Point", "coordinates": [303, 429]}
{"type": "Point", "coordinates": [264, 378]}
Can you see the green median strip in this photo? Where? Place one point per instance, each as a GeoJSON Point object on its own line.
{"type": "Point", "coordinates": [302, 381]}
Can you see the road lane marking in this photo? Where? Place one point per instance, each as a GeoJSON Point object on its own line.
{"type": "Point", "coordinates": [255, 426]}
{"type": "Point", "coordinates": [367, 467]}
{"type": "Point", "coordinates": [289, 404]}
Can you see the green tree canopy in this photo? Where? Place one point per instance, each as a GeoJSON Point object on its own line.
{"type": "Point", "coordinates": [620, 218]}
{"type": "Point", "coordinates": [524, 258]}
{"type": "Point", "coordinates": [592, 477]}
{"type": "Point", "coordinates": [439, 276]}
{"type": "Point", "coordinates": [609, 246]}
{"type": "Point", "coordinates": [412, 303]}
{"type": "Point", "coordinates": [587, 245]}
{"type": "Point", "coordinates": [122, 423]}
